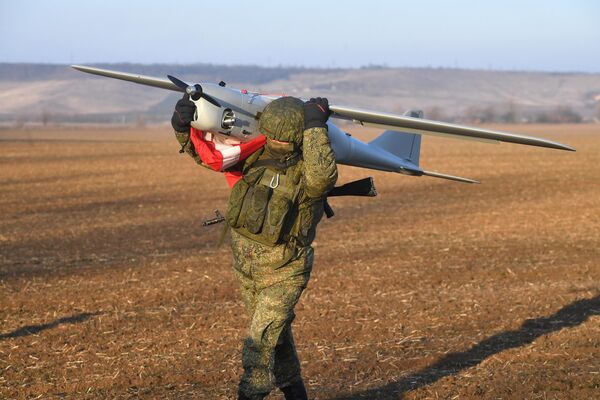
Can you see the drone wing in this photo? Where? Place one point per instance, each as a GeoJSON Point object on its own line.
{"type": "Point", "coordinates": [135, 78]}
{"type": "Point", "coordinates": [427, 127]}
{"type": "Point", "coordinates": [369, 118]}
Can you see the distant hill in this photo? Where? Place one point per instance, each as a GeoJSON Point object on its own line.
{"type": "Point", "coordinates": [36, 92]}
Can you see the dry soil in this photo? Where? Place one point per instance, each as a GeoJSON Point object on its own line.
{"type": "Point", "coordinates": [111, 288]}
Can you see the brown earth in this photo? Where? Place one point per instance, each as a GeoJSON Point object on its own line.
{"type": "Point", "coordinates": [110, 287]}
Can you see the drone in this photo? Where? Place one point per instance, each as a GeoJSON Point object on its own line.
{"type": "Point", "coordinates": [231, 117]}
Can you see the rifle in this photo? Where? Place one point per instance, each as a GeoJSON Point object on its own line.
{"type": "Point", "coordinates": [211, 221]}
{"type": "Point", "coordinates": [361, 187]}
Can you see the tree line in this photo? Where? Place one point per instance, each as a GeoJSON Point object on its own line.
{"type": "Point", "coordinates": [512, 113]}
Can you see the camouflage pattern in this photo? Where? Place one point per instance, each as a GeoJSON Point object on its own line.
{"type": "Point", "coordinates": [320, 170]}
{"type": "Point", "coordinates": [283, 120]}
{"type": "Point", "coordinates": [272, 278]}
{"type": "Point", "coordinates": [269, 291]}
{"type": "Point", "coordinates": [188, 147]}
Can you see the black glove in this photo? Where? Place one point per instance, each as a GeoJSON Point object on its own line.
{"type": "Point", "coordinates": [183, 115]}
{"type": "Point", "coordinates": [316, 113]}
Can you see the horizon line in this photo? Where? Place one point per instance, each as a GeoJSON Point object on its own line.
{"type": "Point", "coordinates": [306, 67]}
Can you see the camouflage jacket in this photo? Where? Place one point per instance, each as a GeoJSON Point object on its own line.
{"type": "Point", "coordinates": [319, 175]}
{"type": "Point", "coordinates": [320, 170]}
{"type": "Point", "coordinates": [315, 175]}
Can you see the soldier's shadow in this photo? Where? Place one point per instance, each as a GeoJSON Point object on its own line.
{"type": "Point", "coordinates": [569, 316]}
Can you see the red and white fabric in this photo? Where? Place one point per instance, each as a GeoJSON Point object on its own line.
{"type": "Point", "coordinates": [220, 152]}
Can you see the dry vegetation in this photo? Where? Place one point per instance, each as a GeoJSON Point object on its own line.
{"type": "Point", "coordinates": [110, 287]}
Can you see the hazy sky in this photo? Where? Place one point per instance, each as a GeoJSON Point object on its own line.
{"type": "Point", "coordinates": [546, 35]}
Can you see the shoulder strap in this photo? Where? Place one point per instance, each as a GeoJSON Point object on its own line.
{"type": "Point", "coordinates": [278, 164]}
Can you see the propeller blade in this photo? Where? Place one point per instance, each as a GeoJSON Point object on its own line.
{"type": "Point", "coordinates": [178, 82]}
{"type": "Point", "coordinates": [210, 99]}
{"type": "Point", "coordinates": [195, 91]}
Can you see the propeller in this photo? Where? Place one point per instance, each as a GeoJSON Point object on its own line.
{"type": "Point", "coordinates": [195, 91]}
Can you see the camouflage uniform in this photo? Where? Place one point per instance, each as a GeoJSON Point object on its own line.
{"type": "Point", "coordinates": [272, 278]}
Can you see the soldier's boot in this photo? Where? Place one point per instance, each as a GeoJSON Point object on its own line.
{"type": "Point", "coordinates": [295, 391]}
{"type": "Point", "coordinates": [242, 396]}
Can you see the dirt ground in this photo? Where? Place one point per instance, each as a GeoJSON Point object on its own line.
{"type": "Point", "coordinates": [111, 288]}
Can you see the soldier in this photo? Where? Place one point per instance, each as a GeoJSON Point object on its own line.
{"type": "Point", "coordinates": [273, 211]}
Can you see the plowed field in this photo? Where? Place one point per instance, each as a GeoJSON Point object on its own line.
{"type": "Point", "coordinates": [111, 288]}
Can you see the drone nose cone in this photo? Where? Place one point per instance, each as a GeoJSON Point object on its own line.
{"type": "Point", "coordinates": [195, 91]}
{"type": "Point", "coordinates": [191, 90]}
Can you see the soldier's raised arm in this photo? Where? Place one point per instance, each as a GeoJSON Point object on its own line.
{"type": "Point", "coordinates": [183, 115]}
{"type": "Point", "coordinates": [320, 170]}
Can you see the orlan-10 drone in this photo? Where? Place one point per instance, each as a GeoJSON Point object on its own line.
{"type": "Point", "coordinates": [234, 114]}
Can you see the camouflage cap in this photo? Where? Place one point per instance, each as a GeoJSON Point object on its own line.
{"type": "Point", "coordinates": [283, 120]}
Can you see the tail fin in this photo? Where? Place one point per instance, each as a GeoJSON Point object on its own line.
{"type": "Point", "coordinates": [401, 144]}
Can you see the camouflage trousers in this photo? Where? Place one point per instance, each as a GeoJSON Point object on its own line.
{"type": "Point", "coordinates": [271, 283]}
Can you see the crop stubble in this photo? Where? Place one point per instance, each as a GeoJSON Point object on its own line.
{"type": "Point", "coordinates": [111, 288]}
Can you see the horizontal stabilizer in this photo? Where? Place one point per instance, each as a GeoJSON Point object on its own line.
{"type": "Point", "coordinates": [450, 177]}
